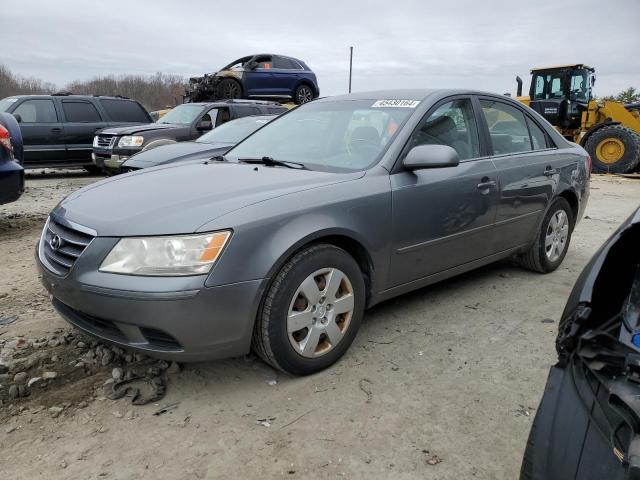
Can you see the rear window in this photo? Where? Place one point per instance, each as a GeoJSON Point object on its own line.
{"type": "Point", "coordinates": [124, 110]}
{"type": "Point", "coordinates": [83, 112]}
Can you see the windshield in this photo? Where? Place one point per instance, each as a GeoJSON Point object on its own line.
{"type": "Point", "coordinates": [234, 131]}
{"type": "Point", "coordinates": [345, 135]}
{"type": "Point", "coordinates": [182, 114]}
{"type": "Point", "coordinates": [5, 103]}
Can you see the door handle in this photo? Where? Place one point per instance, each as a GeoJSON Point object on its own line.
{"type": "Point", "coordinates": [56, 130]}
{"type": "Point", "coordinates": [485, 184]}
{"type": "Point", "coordinates": [550, 171]}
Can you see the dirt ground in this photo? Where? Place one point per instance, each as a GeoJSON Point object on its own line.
{"type": "Point", "coordinates": [441, 383]}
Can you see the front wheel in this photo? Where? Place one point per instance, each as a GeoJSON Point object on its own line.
{"type": "Point", "coordinates": [311, 312]}
{"type": "Point", "coordinates": [614, 149]}
{"type": "Point", "coordinates": [552, 241]}
{"type": "Point", "coordinates": [229, 89]}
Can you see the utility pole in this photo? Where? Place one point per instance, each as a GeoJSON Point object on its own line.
{"type": "Point", "coordinates": [350, 66]}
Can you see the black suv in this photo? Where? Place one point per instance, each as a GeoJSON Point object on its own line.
{"type": "Point", "coordinates": [58, 129]}
{"type": "Point", "coordinates": [112, 147]}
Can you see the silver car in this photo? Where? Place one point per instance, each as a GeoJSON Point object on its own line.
{"type": "Point", "coordinates": [340, 204]}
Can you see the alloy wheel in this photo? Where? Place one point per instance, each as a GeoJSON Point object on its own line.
{"type": "Point", "coordinates": [320, 312]}
{"type": "Point", "coordinates": [304, 95]}
{"type": "Point", "coordinates": [557, 234]}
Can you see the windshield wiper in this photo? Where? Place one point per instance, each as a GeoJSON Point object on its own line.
{"type": "Point", "coordinates": [272, 162]}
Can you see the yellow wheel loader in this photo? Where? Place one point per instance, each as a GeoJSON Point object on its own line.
{"type": "Point", "coordinates": [608, 130]}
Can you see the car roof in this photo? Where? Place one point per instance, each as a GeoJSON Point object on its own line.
{"type": "Point", "coordinates": [71, 95]}
{"type": "Point", "coordinates": [408, 94]}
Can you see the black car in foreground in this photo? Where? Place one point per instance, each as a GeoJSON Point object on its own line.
{"type": "Point", "coordinates": [11, 171]}
{"type": "Point", "coordinates": [113, 146]}
{"type": "Point", "coordinates": [58, 129]}
{"type": "Point", "coordinates": [588, 424]}
{"type": "Point", "coordinates": [216, 142]}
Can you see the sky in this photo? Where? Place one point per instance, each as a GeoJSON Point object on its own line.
{"type": "Point", "coordinates": [397, 44]}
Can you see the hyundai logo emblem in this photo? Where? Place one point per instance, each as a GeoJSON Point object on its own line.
{"type": "Point", "coordinates": [55, 243]}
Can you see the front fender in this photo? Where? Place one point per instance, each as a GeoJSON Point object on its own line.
{"type": "Point", "coordinates": [265, 235]}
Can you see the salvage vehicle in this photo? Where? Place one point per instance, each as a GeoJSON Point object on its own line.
{"type": "Point", "coordinates": [257, 76]}
{"type": "Point", "coordinates": [58, 129]}
{"type": "Point", "coordinates": [587, 426]}
{"type": "Point", "coordinates": [216, 142]}
{"type": "Point", "coordinates": [608, 130]}
{"type": "Point", "coordinates": [11, 170]}
{"type": "Point", "coordinates": [281, 244]}
{"type": "Point", "coordinates": [113, 146]}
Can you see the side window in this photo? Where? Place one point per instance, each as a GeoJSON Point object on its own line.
{"type": "Point", "coordinates": [210, 116]}
{"type": "Point", "coordinates": [538, 137]}
{"type": "Point", "coordinates": [452, 124]}
{"type": "Point", "coordinates": [223, 116]}
{"type": "Point", "coordinates": [124, 110]}
{"type": "Point", "coordinates": [507, 128]}
{"type": "Point", "coordinates": [39, 110]}
{"type": "Point", "coordinates": [284, 63]}
{"type": "Point", "coordinates": [264, 62]}
{"type": "Point", "coordinates": [82, 112]}
{"type": "Point", "coordinates": [247, 111]}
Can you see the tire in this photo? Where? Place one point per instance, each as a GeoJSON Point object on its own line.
{"type": "Point", "coordinates": [93, 169]}
{"type": "Point", "coordinates": [614, 149]}
{"type": "Point", "coordinates": [537, 257]}
{"type": "Point", "coordinates": [285, 348]}
{"type": "Point", "coordinates": [303, 94]}
{"type": "Point", "coordinates": [228, 88]}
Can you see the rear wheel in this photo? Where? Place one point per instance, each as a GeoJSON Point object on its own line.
{"type": "Point", "coordinates": [303, 94]}
{"type": "Point", "coordinates": [552, 242]}
{"type": "Point", "coordinates": [311, 312]}
{"type": "Point", "coordinates": [229, 88]}
{"type": "Point", "coordinates": [614, 149]}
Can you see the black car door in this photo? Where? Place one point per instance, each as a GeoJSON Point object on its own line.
{"type": "Point", "coordinates": [528, 165]}
{"type": "Point", "coordinates": [443, 217]}
{"type": "Point", "coordinates": [42, 131]}
{"type": "Point", "coordinates": [82, 122]}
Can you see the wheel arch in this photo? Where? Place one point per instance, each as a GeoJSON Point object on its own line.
{"type": "Point", "coordinates": [607, 123]}
{"type": "Point", "coordinates": [341, 238]}
{"type": "Point", "coordinates": [308, 83]}
{"type": "Point", "coordinates": [570, 196]}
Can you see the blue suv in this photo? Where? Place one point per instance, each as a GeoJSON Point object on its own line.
{"type": "Point", "coordinates": [257, 76]}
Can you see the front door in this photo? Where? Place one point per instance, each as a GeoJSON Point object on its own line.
{"type": "Point", "coordinates": [83, 121]}
{"type": "Point", "coordinates": [260, 80]}
{"type": "Point", "coordinates": [526, 166]}
{"type": "Point", "coordinates": [443, 217]}
{"type": "Point", "coordinates": [42, 131]}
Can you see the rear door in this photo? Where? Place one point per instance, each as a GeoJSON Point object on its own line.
{"type": "Point", "coordinates": [82, 122]}
{"type": "Point", "coordinates": [443, 217]}
{"type": "Point", "coordinates": [42, 131]}
{"type": "Point", "coordinates": [527, 165]}
{"type": "Point", "coordinates": [286, 75]}
{"type": "Point", "coordinates": [124, 112]}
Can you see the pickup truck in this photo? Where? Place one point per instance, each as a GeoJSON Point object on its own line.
{"type": "Point", "coordinates": [58, 129]}
{"type": "Point", "coordinates": [113, 146]}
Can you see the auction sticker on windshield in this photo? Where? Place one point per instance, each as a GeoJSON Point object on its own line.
{"type": "Point", "coordinates": [396, 103]}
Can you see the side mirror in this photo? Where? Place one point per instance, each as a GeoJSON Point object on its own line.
{"type": "Point", "coordinates": [18, 117]}
{"type": "Point", "coordinates": [203, 126]}
{"type": "Point", "coordinates": [431, 156]}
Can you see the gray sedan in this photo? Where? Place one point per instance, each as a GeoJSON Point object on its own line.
{"type": "Point", "coordinates": [329, 209]}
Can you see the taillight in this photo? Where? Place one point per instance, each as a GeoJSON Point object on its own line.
{"type": "Point", "coordinates": [589, 163]}
{"type": "Point", "coordinates": [5, 138]}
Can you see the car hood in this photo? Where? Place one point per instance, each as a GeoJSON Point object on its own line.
{"type": "Point", "coordinates": [134, 129]}
{"type": "Point", "coordinates": [176, 152]}
{"type": "Point", "coordinates": [181, 198]}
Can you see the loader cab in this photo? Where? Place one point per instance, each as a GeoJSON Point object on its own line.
{"type": "Point", "coordinates": [561, 94]}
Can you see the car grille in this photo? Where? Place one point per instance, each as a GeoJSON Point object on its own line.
{"type": "Point", "coordinates": [105, 141]}
{"type": "Point", "coordinates": [61, 246]}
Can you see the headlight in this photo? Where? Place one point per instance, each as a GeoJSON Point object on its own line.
{"type": "Point", "coordinates": [131, 141]}
{"type": "Point", "coordinates": [95, 141]}
{"type": "Point", "coordinates": [166, 256]}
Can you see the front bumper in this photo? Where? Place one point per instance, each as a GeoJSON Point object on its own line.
{"type": "Point", "coordinates": [194, 324]}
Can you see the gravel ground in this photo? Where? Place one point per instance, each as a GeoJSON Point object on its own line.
{"type": "Point", "coordinates": [441, 383]}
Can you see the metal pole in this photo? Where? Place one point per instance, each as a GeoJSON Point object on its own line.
{"type": "Point", "coordinates": [350, 66]}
